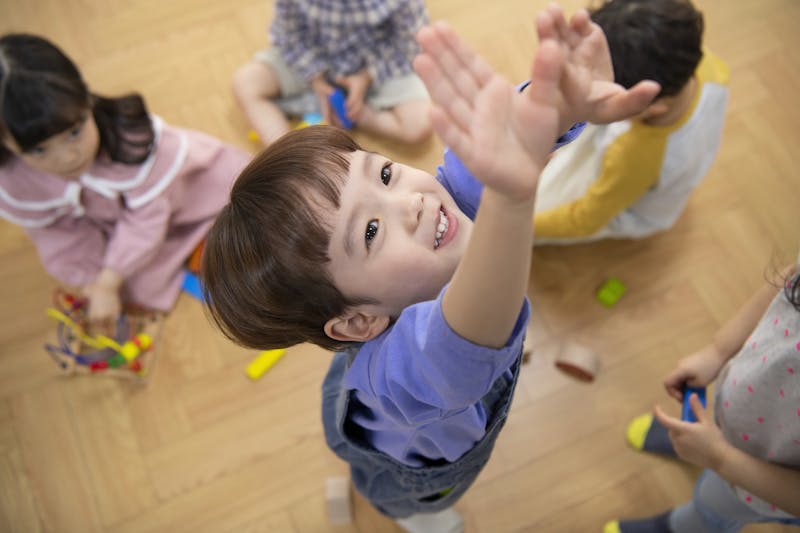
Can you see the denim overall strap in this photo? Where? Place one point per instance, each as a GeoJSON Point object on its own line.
{"type": "Point", "coordinates": [396, 489]}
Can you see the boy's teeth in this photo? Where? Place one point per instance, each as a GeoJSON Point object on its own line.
{"type": "Point", "coordinates": [441, 229]}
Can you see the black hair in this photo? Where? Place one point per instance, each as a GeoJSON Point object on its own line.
{"type": "Point", "coordinates": [792, 290]}
{"type": "Point", "coordinates": [657, 40]}
{"type": "Point", "coordinates": [43, 94]}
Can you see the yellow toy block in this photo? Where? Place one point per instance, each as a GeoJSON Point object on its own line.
{"type": "Point", "coordinates": [263, 362]}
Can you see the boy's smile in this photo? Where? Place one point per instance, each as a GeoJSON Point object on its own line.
{"type": "Point", "coordinates": [397, 236]}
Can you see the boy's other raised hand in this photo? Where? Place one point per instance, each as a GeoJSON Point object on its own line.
{"type": "Point", "coordinates": [587, 85]}
{"type": "Point", "coordinates": [502, 136]}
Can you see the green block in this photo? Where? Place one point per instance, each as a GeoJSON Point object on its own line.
{"type": "Point", "coordinates": [610, 292]}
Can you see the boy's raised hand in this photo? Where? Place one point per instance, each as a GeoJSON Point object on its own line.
{"type": "Point", "coordinates": [503, 137]}
{"type": "Point", "coordinates": [587, 85]}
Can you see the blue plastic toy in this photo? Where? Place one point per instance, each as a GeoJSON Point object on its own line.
{"type": "Point", "coordinates": [337, 99]}
{"type": "Point", "coordinates": [686, 411]}
{"type": "Point", "coordinates": [191, 285]}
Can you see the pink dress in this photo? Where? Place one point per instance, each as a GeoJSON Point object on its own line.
{"type": "Point", "coordinates": [142, 221]}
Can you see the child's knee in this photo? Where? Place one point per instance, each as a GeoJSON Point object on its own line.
{"type": "Point", "coordinates": [254, 80]}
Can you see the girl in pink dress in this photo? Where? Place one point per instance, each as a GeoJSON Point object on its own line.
{"type": "Point", "coordinates": [114, 199]}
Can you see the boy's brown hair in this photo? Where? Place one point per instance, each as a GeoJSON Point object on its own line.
{"type": "Point", "coordinates": [264, 270]}
{"type": "Point", "coordinates": [657, 40]}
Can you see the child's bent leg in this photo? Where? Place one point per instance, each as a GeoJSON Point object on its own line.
{"type": "Point", "coordinates": [408, 122]}
{"type": "Point", "coordinates": [447, 521]}
{"type": "Point", "coordinates": [714, 507]}
{"type": "Point", "coordinates": [254, 85]}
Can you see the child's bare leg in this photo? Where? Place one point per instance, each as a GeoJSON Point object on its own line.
{"type": "Point", "coordinates": [408, 122]}
{"type": "Point", "coordinates": [254, 85]}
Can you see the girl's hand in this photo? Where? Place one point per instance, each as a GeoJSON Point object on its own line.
{"type": "Point", "coordinates": [700, 443]}
{"type": "Point", "coordinates": [696, 370]}
{"type": "Point", "coordinates": [323, 89]}
{"type": "Point", "coordinates": [587, 83]}
{"type": "Point", "coordinates": [502, 136]}
{"type": "Point", "coordinates": [104, 301]}
{"type": "Point", "coordinates": [356, 85]}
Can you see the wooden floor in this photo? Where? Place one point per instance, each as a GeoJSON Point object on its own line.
{"type": "Point", "coordinates": [203, 449]}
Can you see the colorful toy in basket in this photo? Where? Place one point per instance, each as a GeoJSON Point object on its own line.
{"type": "Point", "coordinates": [128, 355]}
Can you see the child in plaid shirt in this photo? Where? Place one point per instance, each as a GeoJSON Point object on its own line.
{"type": "Point", "coordinates": [363, 46]}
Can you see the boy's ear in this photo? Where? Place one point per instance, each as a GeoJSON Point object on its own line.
{"type": "Point", "coordinates": [355, 326]}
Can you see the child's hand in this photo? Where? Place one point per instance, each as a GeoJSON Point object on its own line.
{"type": "Point", "coordinates": [696, 370]}
{"type": "Point", "coordinates": [323, 89]}
{"type": "Point", "coordinates": [700, 443]}
{"type": "Point", "coordinates": [104, 301]}
{"type": "Point", "coordinates": [587, 84]}
{"type": "Point", "coordinates": [356, 86]}
{"type": "Point", "coordinates": [502, 136]}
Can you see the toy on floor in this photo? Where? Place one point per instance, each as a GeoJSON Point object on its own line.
{"type": "Point", "coordinates": [610, 292]}
{"type": "Point", "coordinates": [263, 362]}
{"type": "Point", "coordinates": [687, 415]}
{"type": "Point", "coordinates": [128, 355]}
{"type": "Point", "coordinates": [258, 366]}
{"type": "Point", "coordinates": [191, 285]}
{"type": "Point", "coordinates": [309, 119]}
{"type": "Point", "coordinates": [578, 361]}
{"type": "Point", "coordinates": [337, 500]}
{"type": "Point", "coordinates": [337, 101]}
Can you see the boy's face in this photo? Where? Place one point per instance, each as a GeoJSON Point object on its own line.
{"type": "Point", "coordinates": [397, 236]}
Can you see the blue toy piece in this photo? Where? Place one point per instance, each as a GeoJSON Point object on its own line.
{"type": "Point", "coordinates": [191, 285]}
{"type": "Point", "coordinates": [337, 99]}
{"type": "Point", "coordinates": [686, 411]}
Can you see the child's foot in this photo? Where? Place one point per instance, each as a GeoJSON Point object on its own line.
{"type": "Point", "coordinates": [447, 521]}
{"type": "Point", "coordinates": [654, 524]}
{"type": "Point", "coordinates": [646, 433]}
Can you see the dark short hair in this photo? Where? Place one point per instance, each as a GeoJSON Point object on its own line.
{"type": "Point", "coordinates": [43, 94]}
{"type": "Point", "coordinates": [657, 40]}
{"type": "Point", "coordinates": [265, 261]}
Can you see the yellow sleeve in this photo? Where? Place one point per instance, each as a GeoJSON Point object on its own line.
{"type": "Point", "coordinates": [630, 167]}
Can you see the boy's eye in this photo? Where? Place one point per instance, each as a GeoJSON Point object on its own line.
{"type": "Point", "coordinates": [74, 132]}
{"type": "Point", "coordinates": [386, 173]}
{"type": "Point", "coordinates": [372, 231]}
{"type": "Point", "coordinates": [37, 150]}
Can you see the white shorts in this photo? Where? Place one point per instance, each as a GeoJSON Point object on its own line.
{"type": "Point", "coordinates": [297, 97]}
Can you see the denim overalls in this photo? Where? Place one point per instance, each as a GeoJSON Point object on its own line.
{"type": "Point", "coordinates": [396, 489]}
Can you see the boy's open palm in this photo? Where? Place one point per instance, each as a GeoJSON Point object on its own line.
{"type": "Point", "coordinates": [503, 137]}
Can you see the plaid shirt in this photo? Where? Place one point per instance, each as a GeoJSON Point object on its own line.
{"type": "Point", "coordinates": [342, 37]}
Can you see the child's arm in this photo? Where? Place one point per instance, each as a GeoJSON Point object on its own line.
{"type": "Point", "coordinates": [700, 368]}
{"type": "Point", "coordinates": [702, 443]}
{"type": "Point", "coordinates": [504, 139]}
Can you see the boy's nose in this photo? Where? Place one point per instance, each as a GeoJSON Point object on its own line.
{"type": "Point", "coordinates": [412, 210]}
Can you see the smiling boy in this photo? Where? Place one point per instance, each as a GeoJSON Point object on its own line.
{"type": "Point", "coordinates": [324, 242]}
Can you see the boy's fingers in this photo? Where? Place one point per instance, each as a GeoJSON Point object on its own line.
{"type": "Point", "coordinates": [454, 60]}
{"type": "Point", "coordinates": [474, 64]}
{"type": "Point", "coordinates": [547, 67]}
{"type": "Point", "coordinates": [442, 91]}
{"type": "Point", "coordinates": [448, 132]}
{"type": "Point", "coordinates": [581, 23]}
{"type": "Point", "coordinates": [545, 27]}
